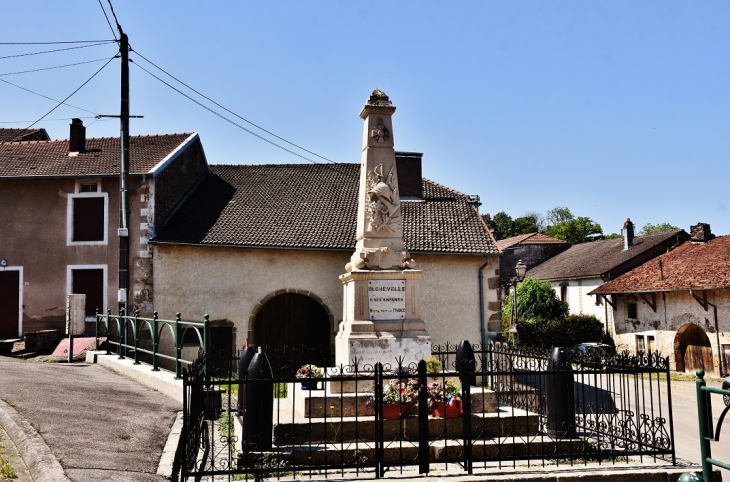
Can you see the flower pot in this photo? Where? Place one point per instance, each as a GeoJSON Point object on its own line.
{"type": "Point", "coordinates": [393, 412]}
{"type": "Point", "coordinates": [443, 409]}
{"type": "Point", "coordinates": [310, 385]}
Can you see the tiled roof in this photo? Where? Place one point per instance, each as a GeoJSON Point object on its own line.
{"type": "Point", "coordinates": [51, 158]}
{"type": "Point", "coordinates": [12, 135]}
{"type": "Point", "coordinates": [314, 207]}
{"type": "Point", "coordinates": [531, 238]}
{"type": "Point", "coordinates": [690, 266]}
{"type": "Point", "coordinates": [597, 258]}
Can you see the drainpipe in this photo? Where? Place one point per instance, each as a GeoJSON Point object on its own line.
{"type": "Point", "coordinates": [481, 302]}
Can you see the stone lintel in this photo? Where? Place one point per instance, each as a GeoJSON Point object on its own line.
{"type": "Point", "coordinates": [366, 275]}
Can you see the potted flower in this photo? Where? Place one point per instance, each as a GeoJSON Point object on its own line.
{"type": "Point", "coordinates": [310, 375]}
{"type": "Point", "coordinates": [445, 401]}
{"type": "Point", "coordinates": [398, 397]}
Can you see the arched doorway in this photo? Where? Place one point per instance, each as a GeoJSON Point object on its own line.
{"type": "Point", "coordinates": [692, 349]}
{"type": "Point", "coordinates": [293, 329]}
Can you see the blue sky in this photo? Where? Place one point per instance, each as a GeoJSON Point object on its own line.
{"type": "Point", "coordinates": [615, 109]}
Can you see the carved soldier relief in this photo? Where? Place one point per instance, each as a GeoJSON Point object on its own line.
{"type": "Point", "coordinates": [382, 203]}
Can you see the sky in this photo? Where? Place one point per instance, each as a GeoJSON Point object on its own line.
{"type": "Point", "coordinates": [614, 109]}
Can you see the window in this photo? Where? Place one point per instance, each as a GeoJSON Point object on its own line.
{"type": "Point", "coordinates": [640, 345]}
{"type": "Point", "coordinates": [88, 215]}
{"type": "Point", "coordinates": [564, 292]}
{"type": "Point", "coordinates": [650, 344]}
{"type": "Point", "coordinates": [89, 280]}
{"type": "Point", "coordinates": [631, 310]}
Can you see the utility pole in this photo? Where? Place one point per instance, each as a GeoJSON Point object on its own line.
{"type": "Point", "coordinates": [124, 178]}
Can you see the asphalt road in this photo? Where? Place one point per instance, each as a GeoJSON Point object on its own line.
{"type": "Point", "coordinates": [686, 432]}
{"type": "Point", "coordinates": [100, 425]}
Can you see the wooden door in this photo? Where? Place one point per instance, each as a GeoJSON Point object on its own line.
{"type": "Point", "coordinates": [90, 282]}
{"type": "Point", "coordinates": [698, 357]}
{"type": "Point", "coordinates": [294, 330]}
{"type": "Point", "coordinates": [9, 303]}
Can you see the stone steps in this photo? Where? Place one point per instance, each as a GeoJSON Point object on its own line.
{"type": "Point", "coordinates": [506, 422]}
{"type": "Point", "coordinates": [406, 452]}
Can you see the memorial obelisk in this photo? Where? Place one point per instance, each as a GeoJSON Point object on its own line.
{"type": "Point", "coordinates": [381, 310]}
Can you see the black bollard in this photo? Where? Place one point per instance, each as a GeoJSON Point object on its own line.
{"type": "Point", "coordinates": [246, 355]}
{"type": "Point", "coordinates": [560, 395]}
{"type": "Point", "coordinates": [258, 418]}
{"type": "Point", "coordinates": [465, 353]}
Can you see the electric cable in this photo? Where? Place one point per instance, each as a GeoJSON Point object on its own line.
{"type": "Point", "coordinates": [119, 27]}
{"type": "Point", "coordinates": [51, 68]}
{"type": "Point", "coordinates": [114, 34]}
{"type": "Point", "coordinates": [56, 43]}
{"type": "Point", "coordinates": [53, 120]}
{"type": "Point", "coordinates": [72, 93]}
{"type": "Point", "coordinates": [57, 50]}
{"type": "Point", "coordinates": [230, 111]}
{"type": "Point", "coordinates": [49, 98]}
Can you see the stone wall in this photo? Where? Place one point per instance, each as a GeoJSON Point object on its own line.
{"type": "Point", "coordinates": [674, 311]}
{"type": "Point", "coordinates": [230, 283]}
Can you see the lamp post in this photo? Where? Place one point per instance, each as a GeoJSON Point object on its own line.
{"type": "Point", "coordinates": [520, 270]}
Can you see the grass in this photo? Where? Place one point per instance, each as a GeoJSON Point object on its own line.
{"type": "Point", "coordinates": [6, 470]}
{"type": "Point", "coordinates": [281, 390]}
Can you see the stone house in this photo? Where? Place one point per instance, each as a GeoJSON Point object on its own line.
{"type": "Point", "coordinates": [17, 135]}
{"type": "Point", "coordinates": [586, 266]}
{"type": "Point", "coordinates": [677, 304]}
{"type": "Point", "coordinates": [58, 225]}
{"type": "Point", "coordinates": [532, 249]}
{"type": "Point", "coordinates": [261, 248]}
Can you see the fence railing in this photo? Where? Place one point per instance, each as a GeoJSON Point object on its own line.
{"type": "Point", "coordinates": [510, 407]}
{"type": "Point", "coordinates": [708, 433]}
{"type": "Point", "coordinates": [142, 336]}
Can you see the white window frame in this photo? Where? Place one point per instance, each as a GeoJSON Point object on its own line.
{"type": "Point", "coordinates": [70, 213]}
{"type": "Point", "coordinates": [69, 282]}
{"type": "Point", "coordinates": [20, 294]}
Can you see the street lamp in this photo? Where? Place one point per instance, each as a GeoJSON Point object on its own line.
{"type": "Point", "coordinates": [520, 270]}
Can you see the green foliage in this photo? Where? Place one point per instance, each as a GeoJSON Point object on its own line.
{"type": "Point", "coordinates": [576, 231]}
{"type": "Point", "coordinates": [502, 225]}
{"type": "Point", "coordinates": [657, 228]}
{"type": "Point", "coordinates": [226, 427]}
{"type": "Point", "coordinates": [567, 331]}
{"type": "Point", "coordinates": [535, 300]}
{"type": "Point", "coordinates": [505, 227]}
{"type": "Point", "coordinates": [611, 236]}
{"type": "Point", "coordinates": [524, 225]}
{"type": "Point", "coordinates": [6, 470]}
{"type": "Point", "coordinates": [433, 365]}
{"type": "Point", "coordinates": [559, 215]}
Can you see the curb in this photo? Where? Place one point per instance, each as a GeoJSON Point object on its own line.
{"type": "Point", "coordinates": [39, 459]}
{"type": "Point", "coordinates": [169, 458]}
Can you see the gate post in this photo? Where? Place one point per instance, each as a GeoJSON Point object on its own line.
{"type": "Point", "coordinates": [560, 395]}
{"type": "Point", "coordinates": [423, 456]}
{"type": "Point", "coordinates": [467, 375]}
{"type": "Point", "coordinates": [379, 442]}
{"type": "Point", "coordinates": [704, 411]}
{"type": "Point", "coordinates": [154, 342]}
{"type": "Point", "coordinates": [122, 328]}
{"type": "Point", "coordinates": [136, 337]}
{"type": "Point", "coordinates": [178, 346]}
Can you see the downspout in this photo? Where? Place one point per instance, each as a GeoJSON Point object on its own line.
{"type": "Point", "coordinates": [481, 302]}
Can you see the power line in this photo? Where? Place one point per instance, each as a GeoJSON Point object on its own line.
{"type": "Point", "coordinates": [72, 93]}
{"type": "Point", "coordinates": [54, 120]}
{"type": "Point", "coordinates": [230, 111]}
{"type": "Point", "coordinates": [51, 68]}
{"type": "Point", "coordinates": [115, 15]}
{"type": "Point", "coordinates": [46, 97]}
{"type": "Point", "coordinates": [226, 118]}
{"type": "Point", "coordinates": [56, 43]}
{"type": "Point", "coordinates": [114, 34]}
{"type": "Point", "coordinates": [57, 50]}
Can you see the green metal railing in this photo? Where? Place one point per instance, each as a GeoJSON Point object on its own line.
{"type": "Point", "coordinates": [708, 433]}
{"type": "Point", "coordinates": [133, 326]}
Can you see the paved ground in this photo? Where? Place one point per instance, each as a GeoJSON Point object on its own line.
{"type": "Point", "coordinates": [686, 435]}
{"type": "Point", "coordinates": [98, 424]}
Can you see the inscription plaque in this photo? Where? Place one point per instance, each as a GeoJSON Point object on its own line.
{"type": "Point", "coordinates": [387, 299]}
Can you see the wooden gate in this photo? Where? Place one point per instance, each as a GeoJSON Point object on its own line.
{"type": "Point", "coordinates": [697, 357]}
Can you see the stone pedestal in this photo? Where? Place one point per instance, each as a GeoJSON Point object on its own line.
{"type": "Point", "coordinates": [382, 319]}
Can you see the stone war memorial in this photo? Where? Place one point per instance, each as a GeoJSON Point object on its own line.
{"type": "Point", "coordinates": [381, 309]}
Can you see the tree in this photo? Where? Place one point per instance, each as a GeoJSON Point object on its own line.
{"type": "Point", "coordinates": [503, 225]}
{"type": "Point", "coordinates": [657, 228]}
{"type": "Point", "coordinates": [536, 300]}
{"type": "Point", "coordinates": [539, 220]}
{"type": "Point", "coordinates": [524, 225]}
{"type": "Point", "coordinates": [558, 215]}
{"type": "Point", "coordinates": [576, 231]}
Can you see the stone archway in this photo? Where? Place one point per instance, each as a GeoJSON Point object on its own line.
{"type": "Point", "coordinates": [692, 349]}
{"type": "Point", "coordinates": [294, 327]}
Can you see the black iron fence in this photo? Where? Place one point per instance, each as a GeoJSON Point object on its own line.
{"type": "Point", "coordinates": [465, 409]}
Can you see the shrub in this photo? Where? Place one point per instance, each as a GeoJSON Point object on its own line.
{"type": "Point", "coordinates": [568, 331]}
{"type": "Point", "coordinates": [433, 365]}
{"type": "Point", "coordinates": [535, 300]}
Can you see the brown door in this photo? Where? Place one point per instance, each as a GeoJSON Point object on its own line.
{"type": "Point", "coordinates": [9, 303]}
{"type": "Point", "coordinates": [293, 330]}
{"type": "Point", "coordinates": [695, 350]}
{"type": "Point", "coordinates": [90, 282]}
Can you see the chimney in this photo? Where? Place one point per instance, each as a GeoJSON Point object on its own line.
{"type": "Point", "coordinates": [77, 136]}
{"type": "Point", "coordinates": [628, 233]}
{"type": "Point", "coordinates": [410, 180]}
{"type": "Point", "coordinates": [700, 233]}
